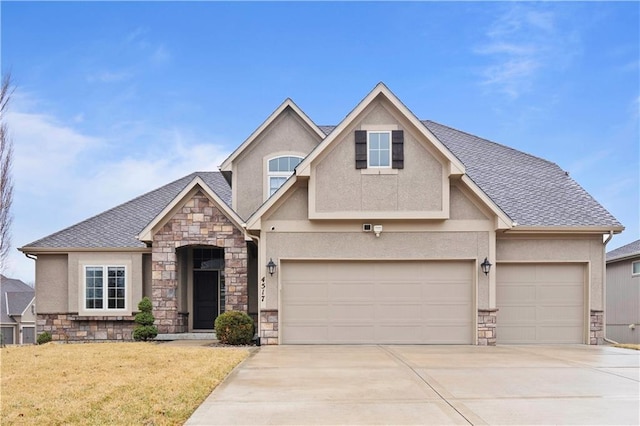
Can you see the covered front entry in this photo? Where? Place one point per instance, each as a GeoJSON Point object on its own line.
{"type": "Point", "coordinates": [208, 285]}
{"type": "Point", "coordinates": [371, 302]}
{"type": "Point", "coordinates": [540, 303]}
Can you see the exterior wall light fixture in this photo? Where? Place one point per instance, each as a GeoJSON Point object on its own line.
{"type": "Point", "coordinates": [485, 266]}
{"type": "Point", "coordinates": [271, 267]}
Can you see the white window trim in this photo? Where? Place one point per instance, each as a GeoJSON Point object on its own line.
{"type": "Point", "coordinates": [268, 175]}
{"type": "Point", "coordinates": [105, 311]}
{"type": "Point", "coordinates": [636, 274]}
{"type": "Point", "coordinates": [369, 133]}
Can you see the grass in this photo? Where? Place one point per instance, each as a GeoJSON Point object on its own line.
{"type": "Point", "coordinates": [628, 346]}
{"type": "Point", "coordinates": [109, 383]}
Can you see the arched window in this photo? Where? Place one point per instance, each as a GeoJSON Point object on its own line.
{"type": "Point", "coordinates": [280, 168]}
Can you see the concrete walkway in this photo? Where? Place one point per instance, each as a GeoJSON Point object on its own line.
{"type": "Point", "coordinates": [333, 385]}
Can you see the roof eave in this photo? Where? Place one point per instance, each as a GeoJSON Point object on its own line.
{"type": "Point", "coordinates": [61, 250]}
{"type": "Point", "coordinates": [565, 229]}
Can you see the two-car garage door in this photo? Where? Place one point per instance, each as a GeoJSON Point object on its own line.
{"type": "Point", "coordinates": [390, 302]}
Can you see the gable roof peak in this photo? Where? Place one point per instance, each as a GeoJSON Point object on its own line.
{"type": "Point", "coordinates": [288, 103]}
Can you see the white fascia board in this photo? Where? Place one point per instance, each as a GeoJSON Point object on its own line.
{"type": "Point", "coordinates": [288, 103]}
{"type": "Point", "coordinates": [147, 233]}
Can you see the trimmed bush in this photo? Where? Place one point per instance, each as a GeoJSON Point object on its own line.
{"type": "Point", "coordinates": [145, 330]}
{"type": "Point", "coordinates": [234, 328]}
{"type": "Point", "coordinates": [44, 337]}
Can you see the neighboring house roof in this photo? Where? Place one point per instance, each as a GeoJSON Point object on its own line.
{"type": "Point", "coordinates": [628, 251]}
{"type": "Point", "coordinates": [119, 226]}
{"type": "Point", "coordinates": [15, 296]}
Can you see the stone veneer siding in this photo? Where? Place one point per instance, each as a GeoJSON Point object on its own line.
{"type": "Point", "coordinates": [198, 222]}
{"type": "Point", "coordinates": [487, 327]}
{"type": "Point", "coordinates": [596, 328]}
{"type": "Point", "coordinates": [269, 327]}
{"type": "Point", "coordinates": [72, 328]}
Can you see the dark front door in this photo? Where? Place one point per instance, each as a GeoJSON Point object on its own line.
{"type": "Point", "coordinates": [205, 299]}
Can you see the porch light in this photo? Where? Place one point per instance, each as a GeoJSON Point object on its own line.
{"type": "Point", "coordinates": [271, 266]}
{"type": "Point", "coordinates": [485, 266]}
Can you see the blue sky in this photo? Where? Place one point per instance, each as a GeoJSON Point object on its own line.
{"type": "Point", "coordinates": [116, 99]}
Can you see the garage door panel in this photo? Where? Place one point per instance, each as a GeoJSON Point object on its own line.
{"type": "Point", "coordinates": [560, 293]}
{"type": "Point", "coordinates": [352, 311]}
{"type": "Point", "coordinates": [310, 311]}
{"type": "Point", "coordinates": [303, 291]}
{"type": "Point", "coordinates": [540, 303]}
{"type": "Point", "coordinates": [381, 302]}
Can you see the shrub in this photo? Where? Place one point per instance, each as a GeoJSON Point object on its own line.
{"type": "Point", "coordinates": [234, 328]}
{"type": "Point", "coordinates": [145, 330]}
{"type": "Point", "coordinates": [44, 337]}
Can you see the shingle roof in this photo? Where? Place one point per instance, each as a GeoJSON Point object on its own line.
{"type": "Point", "coordinates": [627, 251]}
{"type": "Point", "coordinates": [530, 190]}
{"type": "Point", "coordinates": [14, 298]}
{"type": "Point", "coordinates": [118, 227]}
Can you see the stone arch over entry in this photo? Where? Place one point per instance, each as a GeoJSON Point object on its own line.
{"type": "Point", "coordinates": [198, 222]}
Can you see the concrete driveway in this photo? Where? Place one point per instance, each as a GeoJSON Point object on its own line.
{"type": "Point", "coordinates": [429, 385]}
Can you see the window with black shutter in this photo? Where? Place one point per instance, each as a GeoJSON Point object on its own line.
{"type": "Point", "coordinates": [379, 149]}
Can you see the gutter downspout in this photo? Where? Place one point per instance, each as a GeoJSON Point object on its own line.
{"type": "Point", "coordinates": [604, 293]}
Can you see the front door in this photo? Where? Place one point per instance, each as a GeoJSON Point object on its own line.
{"type": "Point", "coordinates": [205, 299]}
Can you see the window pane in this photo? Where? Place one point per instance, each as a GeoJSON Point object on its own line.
{"type": "Point", "coordinates": [273, 165]}
{"type": "Point", "coordinates": [374, 141]}
{"type": "Point", "coordinates": [384, 158]}
{"type": "Point", "coordinates": [294, 162]}
{"type": "Point", "coordinates": [116, 287]}
{"type": "Point", "coordinates": [275, 183]}
{"type": "Point", "coordinates": [384, 140]}
{"type": "Point", "coordinates": [636, 268]}
{"type": "Point", "coordinates": [283, 164]}
{"type": "Point", "coordinates": [374, 158]}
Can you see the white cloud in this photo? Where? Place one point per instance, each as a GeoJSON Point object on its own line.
{"type": "Point", "coordinates": [521, 43]}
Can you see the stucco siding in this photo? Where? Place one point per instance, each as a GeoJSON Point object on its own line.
{"type": "Point", "coordinates": [287, 134]}
{"type": "Point", "coordinates": [294, 207]}
{"type": "Point", "coordinates": [340, 187]}
{"type": "Point", "coordinates": [558, 248]}
{"type": "Point", "coordinates": [463, 208]}
{"type": "Point", "coordinates": [623, 302]}
{"type": "Point", "coordinates": [52, 290]}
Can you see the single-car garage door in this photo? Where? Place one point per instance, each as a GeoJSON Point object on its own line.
{"type": "Point", "coordinates": [540, 303]}
{"type": "Point", "coordinates": [405, 302]}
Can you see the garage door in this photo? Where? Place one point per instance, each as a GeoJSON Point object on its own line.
{"type": "Point", "coordinates": [376, 302]}
{"type": "Point", "coordinates": [540, 303]}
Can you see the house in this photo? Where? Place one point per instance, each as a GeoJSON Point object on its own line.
{"type": "Point", "coordinates": [623, 294]}
{"type": "Point", "coordinates": [17, 312]}
{"type": "Point", "coordinates": [381, 229]}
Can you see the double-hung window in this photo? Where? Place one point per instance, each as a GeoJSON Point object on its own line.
{"type": "Point", "coordinates": [105, 288]}
{"type": "Point", "coordinates": [379, 149]}
{"type": "Point", "coordinates": [279, 170]}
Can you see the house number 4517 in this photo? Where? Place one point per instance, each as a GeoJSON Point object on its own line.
{"type": "Point", "coordinates": [263, 291]}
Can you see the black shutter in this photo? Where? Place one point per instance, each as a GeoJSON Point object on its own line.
{"type": "Point", "coordinates": [397, 149]}
{"type": "Point", "coordinates": [361, 149]}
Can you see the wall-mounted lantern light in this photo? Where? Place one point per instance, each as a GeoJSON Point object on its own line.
{"type": "Point", "coordinates": [271, 267]}
{"type": "Point", "coordinates": [485, 266]}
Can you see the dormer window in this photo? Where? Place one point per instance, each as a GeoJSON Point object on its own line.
{"type": "Point", "coordinates": [280, 168]}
